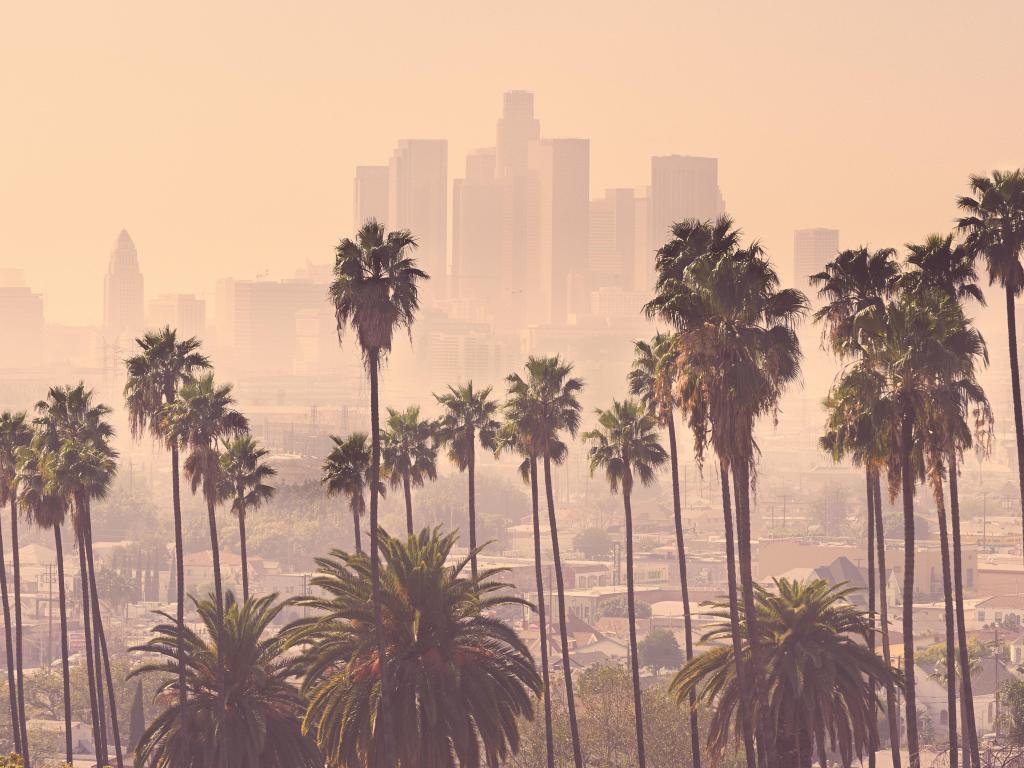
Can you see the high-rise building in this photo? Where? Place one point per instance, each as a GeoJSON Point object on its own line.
{"type": "Point", "coordinates": [21, 322]}
{"type": "Point", "coordinates": [418, 201]}
{"type": "Point", "coordinates": [369, 195]}
{"type": "Point", "coordinates": [123, 290]}
{"type": "Point", "coordinates": [682, 187]}
{"type": "Point", "coordinates": [517, 127]}
{"type": "Point", "coordinates": [812, 250]}
{"type": "Point", "coordinates": [477, 228]}
{"type": "Point", "coordinates": [558, 228]}
{"type": "Point", "coordinates": [184, 312]}
{"type": "Point", "coordinates": [612, 241]}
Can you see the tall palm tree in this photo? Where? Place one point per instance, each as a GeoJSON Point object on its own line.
{"type": "Point", "coordinates": [469, 416]}
{"type": "Point", "coordinates": [252, 715]}
{"type": "Point", "coordinates": [244, 475]}
{"type": "Point", "coordinates": [993, 221]}
{"type": "Point", "coordinates": [199, 419]}
{"type": "Point", "coordinates": [625, 446]}
{"type": "Point", "coordinates": [346, 471]}
{"type": "Point", "coordinates": [652, 379]}
{"type": "Point", "coordinates": [375, 290]}
{"type": "Point", "coordinates": [163, 364]}
{"type": "Point", "coordinates": [15, 434]}
{"type": "Point", "coordinates": [548, 402]}
{"type": "Point", "coordinates": [816, 663]}
{"type": "Point", "coordinates": [48, 511]}
{"type": "Point", "coordinates": [408, 453]}
{"type": "Point", "coordinates": [463, 679]}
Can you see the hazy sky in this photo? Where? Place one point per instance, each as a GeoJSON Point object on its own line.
{"type": "Point", "coordinates": [223, 135]}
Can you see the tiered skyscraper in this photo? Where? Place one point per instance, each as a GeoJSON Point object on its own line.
{"type": "Point", "coordinates": [123, 290]}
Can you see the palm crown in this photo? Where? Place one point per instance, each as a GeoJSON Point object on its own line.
{"type": "Point", "coordinates": [994, 223]}
{"type": "Point", "coordinates": [346, 470]}
{"type": "Point", "coordinates": [653, 374]}
{"type": "Point", "coordinates": [939, 264]}
{"type": "Point", "coordinates": [15, 434]}
{"type": "Point", "coordinates": [625, 445]}
{"type": "Point", "coordinates": [408, 447]}
{"type": "Point", "coordinates": [544, 404]}
{"type": "Point", "coordinates": [244, 474]}
{"type": "Point", "coordinates": [469, 416]}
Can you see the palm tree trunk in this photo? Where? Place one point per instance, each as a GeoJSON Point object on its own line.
{"type": "Point", "coordinates": [873, 732]}
{"type": "Point", "coordinates": [947, 594]}
{"type": "Point", "coordinates": [570, 699]}
{"type": "Point", "coordinates": [18, 630]}
{"type": "Point", "coordinates": [472, 501]}
{"type": "Point", "coordinates": [892, 710]}
{"type": "Point", "coordinates": [385, 681]}
{"type": "Point", "coordinates": [245, 556]}
{"type": "Point", "coordinates": [638, 711]}
{"type": "Point", "coordinates": [12, 685]}
{"type": "Point", "coordinates": [89, 665]}
{"type": "Point", "coordinates": [218, 586]}
{"type": "Point", "coordinates": [677, 510]}
{"type": "Point", "coordinates": [356, 532]}
{"type": "Point", "coordinates": [58, 545]}
{"type": "Point", "coordinates": [103, 657]}
{"type": "Point", "coordinates": [970, 730]}
{"type": "Point", "coordinates": [97, 655]}
{"type": "Point", "coordinates": [179, 574]}
{"type": "Point", "coordinates": [408, 502]}
{"type": "Point", "coordinates": [734, 613]}
{"type": "Point", "coordinates": [1018, 413]}
{"type": "Point", "coordinates": [549, 739]}
{"type": "Point", "coordinates": [910, 689]}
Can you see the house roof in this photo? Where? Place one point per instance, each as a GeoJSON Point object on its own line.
{"type": "Point", "coordinates": [992, 673]}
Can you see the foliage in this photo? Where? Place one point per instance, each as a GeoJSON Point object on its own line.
{"type": "Point", "coordinates": [617, 609]}
{"type": "Point", "coordinates": [594, 543]}
{"type": "Point", "coordinates": [1011, 714]}
{"type": "Point", "coordinates": [660, 650]}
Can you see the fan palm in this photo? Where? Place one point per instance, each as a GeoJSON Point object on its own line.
{"type": "Point", "coordinates": [469, 417]}
{"type": "Point", "coordinates": [244, 477]}
{"type": "Point", "coordinates": [346, 471]}
{"type": "Point", "coordinates": [199, 419]}
{"type": "Point", "coordinates": [547, 404]}
{"type": "Point", "coordinates": [242, 710]}
{"type": "Point", "coordinates": [375, 290]}
{"type": "Point", "coordinates": [813, 690]}
{"type": "Point", "coordinates": [652, 378]}
{"type": "Point", "coordinates": [625, 446]}
{"type": "Point", "coordinates": [408, 453]}
{"type": "Point", "coordinates": [15, 434]}
{"type": "Point", "coordinates": [163, 364]}
{"type": "Point", "coordinates": [462, 678]}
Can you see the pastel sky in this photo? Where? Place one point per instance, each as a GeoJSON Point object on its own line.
{"type": "Point", "coordinates": [223, 134]}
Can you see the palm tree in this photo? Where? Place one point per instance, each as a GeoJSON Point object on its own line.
{"type": "Point", "coordinates": [469, 416]}
{"type": "Point", "coordinates": [346, 471]}
{"type": "Point", "coordinates": [15, 434]}
{"type": "Point", "coordinates": [408, 453]}
{"type": "Point", "coordinates": [244, 475]}
{"type": "Point", "coordinates": [815, 667]}
{"type": "Point", "coordinates": [548, 402]}
{"type": "Point", "coordinates": [248, 715]}
{"type": "Point", "coordinates": [652, 378]}
{"type": "Point", "coordinates": [375, 290]}
{"type": "Point", "coordinates": [48, 511]}
{"type": "Point", "coordinates": [463, 678]}
{"type": "Point", "coordinates": [199, 419]}
{"type": "Point", "coordinates": [625, 447]}
{"type": "Point", "coordinates": [155, 374]}
{"type": "Point", "coordinates": [993, 221]}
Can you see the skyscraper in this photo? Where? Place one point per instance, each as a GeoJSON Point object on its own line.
{"type": "Point", "coordinates": [418, 201]}
{"type": "Point", "coordinates": [812, 250]}
{"type": "Point", "coordinates": [21, 322]}
{"type": "Point", "coordinates": [682, 187]}
{"type": "Point", "coordinates": [369, 195]}
{"type": "Point", "coordinates": [517, 127]}
{"type": "Point", "coordinates": [122, 290]}
{"type": "Point", "coordinates": [477, 227]}
{"type": "Point", "coordinates": [184, 312]}
{"type": "Point", "coordinates": [612, 240]}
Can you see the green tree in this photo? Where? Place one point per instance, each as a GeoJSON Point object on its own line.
{"type": "Point", "coordinates": [593, 543]}
{"type": "Point", "coordinates": [462, 677]}
{"type": "Point", "coordinates": [660, 650]}
{"type": "Point", "coordinates": [375, 290]}
{"type": "Point", "coordinates": [346, 471]}
{"type": "Point", "coordinates": [409, 453]}
{"type": "Point", "coordinates": [155, 374]}
{"type": "Point", "coordinates": [469, 417]}
{"type": "Point", "coordinates": [241, 709]}
{"type": "Point", "coordinates": [244, 475]}
{"type": "Point", "coordinates": [815, 690]}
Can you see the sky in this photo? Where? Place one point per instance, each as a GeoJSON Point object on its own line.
{"type": "Point", "coordinates": [224, 135]}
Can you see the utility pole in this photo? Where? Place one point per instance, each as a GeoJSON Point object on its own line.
{"type": "Point", "coordinates": [49, 615]}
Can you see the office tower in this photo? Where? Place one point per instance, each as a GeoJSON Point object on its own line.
{"type": "Point", "coordinates": [612, 240]}
{"type": "Point", "coordinates": [369, 195]}
{"type": "Point", "coordinates": [122, 290]}
{"type": "Point", "coordinates": [418, 201]}
{"type": "Point", "coordinates": [558, 228]}
{"type": "Point", "coordinates": [183, 312]}
{"type": "Point", "coordinates": [643, 252]}
{"type": "Point", "coordinates": [477, 228]}
{"type": "Point", "coordinates": [812, 250]}
{"type": "Point", "coordinates": [21, 322]}
{"type": "Point", "coordinates": [517, 127]}
{"type": "Point", "coordinates": [682, 187]}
